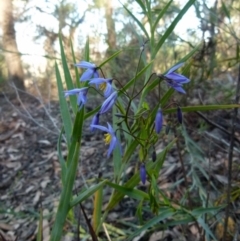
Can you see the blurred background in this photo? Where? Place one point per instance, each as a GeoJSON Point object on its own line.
{"type": "Point", "coordinates": [30, 29]}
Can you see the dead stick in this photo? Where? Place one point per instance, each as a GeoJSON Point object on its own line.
{"type": "Point", "coordinates": [230, 155]}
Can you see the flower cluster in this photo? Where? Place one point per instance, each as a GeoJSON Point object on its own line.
{"type": "Point", "coordinates": [91, 77]}
{"type": "Point", "coordinates": [105, 85]}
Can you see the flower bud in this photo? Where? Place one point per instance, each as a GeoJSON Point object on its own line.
{"type": "Point", "coordinates": [154, 156]}
{"type": "Point", "coordinates": [95, 121]}
{"type": "Point", "coordinates": [143, 175]}
{"type": "Point", "coordinates": [179, 115]}
{"type": "Point", "coordinates": [158, 121]}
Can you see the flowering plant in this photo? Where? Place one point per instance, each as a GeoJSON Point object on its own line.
{"type": "Point", "coordinates": [142, 127]}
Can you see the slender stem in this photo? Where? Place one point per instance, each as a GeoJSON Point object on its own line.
{"type": "Point", "coordinates": [183, 168]}
{"type": "Point", "coordinates": [230, 156]}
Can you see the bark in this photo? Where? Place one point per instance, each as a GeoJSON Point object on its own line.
{"type": "Point", "coordinates": [111, 33]}
{"type": "Point", "coordinates": [12, 58]}
{"type": "Point", "coordinates": [111, 38]}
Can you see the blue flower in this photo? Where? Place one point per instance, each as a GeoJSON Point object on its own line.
{"type": "Point", "coordinates": [108, 103]}
{"type": "Point", "coordinates": [81, 95]}
{"type": "Point", "coordinates": [109, 138]}
{"type": "Point", "coordinates": [143, 174]}
{"type": "Point", "coordinates": [175, 80]}
{"type": "Point", "coordinates": [158, 121]}
{"type": "Point", "coordinates": [104, 85]}
{"type": "Point", "coordinates": [91, 71]}
{"type": "Point", "coordinates": [95, 121]}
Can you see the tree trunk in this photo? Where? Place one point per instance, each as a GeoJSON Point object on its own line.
{"type": "Point", "coordinates": [111, 39]}
{"type": "Point", "coordinates": [111, 36]}
{"type": "Point", "coordinates": [12, 58]}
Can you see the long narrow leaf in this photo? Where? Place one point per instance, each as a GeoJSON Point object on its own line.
{"type": "Point", "coordinates": [172, 26]}
{"type": "Point", "coordinates": [97, 208]}
{"type": "Point", "coordinates": [66, 117]}
{"type": "Point", "coordinates": [138, 22]}
{"type": "Point", "coordinates": [133, 193]}
{"type": "Point", "coordinates": [202, 108]}
{"type": "Point", "coordinates": [163, 215]}
{"type": "Point", "coordinates": [110, 58]}
{"type": "Point", "coordinates": [160, 15]}
{"type": "Point", "coordinates": [87, 193]}
{"type": "Point", "coordinates": [67, 75]}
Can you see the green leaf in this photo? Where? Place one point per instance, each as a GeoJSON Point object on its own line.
{"type": "Point", "coordinates": [68, 78]}
{"type": "Point", "coordinates": [160, 15]}
{"type": "Point", "coordinates": [202, 108]}
{"type": "Point", "coordinates": [65, 114]}
{"type": "Point", "coordinates": [110, 58]}
{"type": "Point", "coordinates": [40, 226]}
{"type": "Point", "coordinates": [226, 10]}
{"type": "Point", "coordinates": [172, 26]}
{"type": "Point", "coordinates": [76, 135]}
{"type": "Point", "coordinates": [141, 4]}
{"type": "Point", "coordinates": [131, 82]}
{"type": "Point", "coordinates": [200, 211]}
{"type": "Point", "coordinates": [164, 214]}
{"type": "Point", "coordinates": [131, 192]}
{"type": "Point", "coordinates": [87, 51]}
{"type": "Point", "coordinates": [138, 22]}
{"type": "Point", "coordinates": [134, 180]}
{"type": "Point", "coordinates": [97, 209]}
{"type": "Point", "coordinates": [206, 228]}
{"type": "Point", "coordinates": [87, 193]}
{"type": "Point", "coordinates": [61, 159]}
{"type": "Point", "coordinates": [75, 68]}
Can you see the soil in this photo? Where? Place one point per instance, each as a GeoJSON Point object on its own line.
{"type": "Point", "coordinates": [30, 174]}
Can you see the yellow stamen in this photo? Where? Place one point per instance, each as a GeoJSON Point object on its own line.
{"type": "Point", "coordinates": [103, 86]}
{"type": "Point", "coordinates": [107, 138]}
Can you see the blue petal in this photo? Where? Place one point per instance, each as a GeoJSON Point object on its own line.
{"type": "Point", "coordinates": [175, 68]}
{"type": "Point", "coordinates": [108, 103]}
{"type": "Point", "coordinates": [158, 121]}
{"type": "Point", "coordinates": [110, 129]}
{"type": "Point", "coordinates": [108, 90]}
{"type": "Point", "coordinates": [95, 74]}
{"type": "Point", "coordinates": [87, 75]}
{"type": "Point", "coordinates": [178, 78]}
{"type": "Point", "coordinates": [103, 128]}
{"type": "Point", "coordinates": [112, 145]}
{"type": "Point", "coordinates": [143, 174]}
{"type": "Point", "coordinates": [95, 121]}
{"type": "Point", "coordinates": [179, 89]}
{"type": "Point", "coordinates": [86, 65]}
{"type": "Point", "coordinates": [71, 92]}
{"type": "Point", "coordinates": [97, 81]}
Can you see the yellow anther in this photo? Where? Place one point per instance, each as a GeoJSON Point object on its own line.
{"type": "Point", "coordinates": [103, 86]}
{"type": "Point", "coordinates": [107, 138]}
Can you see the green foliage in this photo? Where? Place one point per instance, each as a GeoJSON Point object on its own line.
{"type": "Point", "coordinates": [135, 120]}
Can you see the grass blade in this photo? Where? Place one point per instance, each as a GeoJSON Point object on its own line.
{"type": "Point", "coordinates": [173, 25]}
{"type": "Point", "coordinates": [66, 117]}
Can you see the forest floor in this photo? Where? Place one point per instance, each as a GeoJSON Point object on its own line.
{"type": "Point", "coordinates": [30, 171]}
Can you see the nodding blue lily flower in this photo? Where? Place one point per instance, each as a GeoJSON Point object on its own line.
{"type": "Point", "coordinates": [91, 72]}
{"type": "Point", "coordinates": [143, 173]}
{"type": "Point", "coordinates": [81, 95]}
{"type": "Point", "coordinates": [158, 121]}
{"type": "Point", "coordinates": [109, 138]}
{"type": "Point", "coordinates": [109, 102]}
{"type": "Point", "coordinates": [95, 121]}
{"type": "Point", "coordinates": [176, 80]}
{"type": "Point", "coordinates": [104, 85]}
